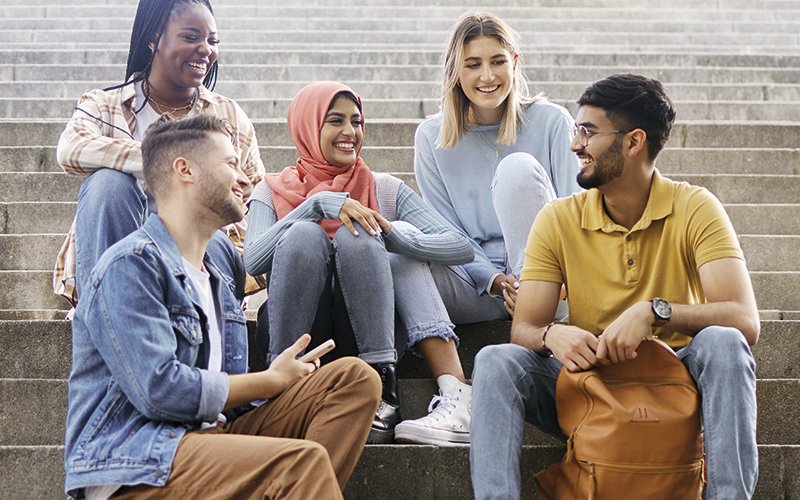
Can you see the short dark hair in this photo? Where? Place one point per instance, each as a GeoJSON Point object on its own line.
{"type": "Point", "coordinates": [634, 101]}
{"type": "Point", "coordinates": [169, 138]}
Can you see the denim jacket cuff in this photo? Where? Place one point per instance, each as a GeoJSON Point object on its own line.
{"type": "Point", "coordinates": [215, 386]}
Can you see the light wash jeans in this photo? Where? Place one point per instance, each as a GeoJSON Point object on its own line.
{"type": "Point", "coordinates": [520, 188]}
{"type": "Point", "coordinates": [112, 205]}
{"type": "Point", "coordinates": [420, 311]}
{"type": "Point", "coordinates": [512, 385]}
{"type": "Point", "coordinates": [299, 276]}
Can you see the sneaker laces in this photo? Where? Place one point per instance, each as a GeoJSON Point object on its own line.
{"type": "Point", "coordinates": [439, 406]}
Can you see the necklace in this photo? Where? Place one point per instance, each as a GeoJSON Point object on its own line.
{"type": "Point", "coordinates": [163, 108]}
{"type": "Point", "coordinates": [485, 142]}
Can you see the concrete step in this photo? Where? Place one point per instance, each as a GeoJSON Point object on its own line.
{"type": "Point", "coordinates": [772, 41]}
{"type": "Point", "coordinates": [779, 401]}
{"type": "Point", "coordinates": [237, 54]}
{"type": "Point", "coordinates": [400, 133]}
{"type": "Point", "coordinates": [37, 217]}
{"type": "Point", "coordinates": [418, 90]}
{"type": "Point", "coordinates": [775, 290]}
{"type": "Point", "coordinates": [40, 349]}
{"type": "Point", "coordinates": [384, 470]}
{"type": "Point", "coordinates": [737, 18]}
{"type": "Point", "coordinates": [30, 252]}
{"type": "Point", "coordinates": [36, 252]}
{"type": "Point", "coordinates": [748, 188]}
{"type": "Point", "coordinates": [56, 217]}
{"type": "Point", "coordinates": [62, 107]}
{"type": "Point", "coordinates": [396, 72]}
{"type": "Point", "coordinates": [738, 161]}
{"type": "Point", "coordinates": [53, 186]}
{"type": "Point", "coordinates": [422, 20]}
{"type": "Point", "coordinates": [762, 7]}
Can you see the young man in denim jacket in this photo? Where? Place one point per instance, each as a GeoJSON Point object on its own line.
{"type": "Point", "coordinates": [160, 403]}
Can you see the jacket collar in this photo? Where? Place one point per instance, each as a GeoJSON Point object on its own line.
{"type": "Point", "coordinates": [659, 206]}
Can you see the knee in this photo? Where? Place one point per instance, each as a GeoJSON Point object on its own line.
{"type": "Point", "coordinates": [402, 265]}
{"type": "Point", "coordinates": [724, 348]}
{"type": "Point", "coordinates": [495, 362]}
{"type": "Point", "coordinates": [311, 454]}
{"type": "Point", "coordinates": [363, 247]}
{"type": "Point", "coordinates": [520, 172]}
{"type": "Point", "coordinates": [303, 238]}
{"type": "Point", "coordinates": [107, 185]}
{"type": "Point", "coordinates": [355, 372]}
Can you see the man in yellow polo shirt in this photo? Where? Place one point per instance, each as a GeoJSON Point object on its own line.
{"type": "Point", "coordinates": [639, 254]}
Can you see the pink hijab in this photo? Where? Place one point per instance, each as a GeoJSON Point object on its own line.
{"type": "Point", "coordinates": [312, 174]}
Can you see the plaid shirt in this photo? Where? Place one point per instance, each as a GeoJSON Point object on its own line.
{"type": "Point", "coordinates": [87, 144]}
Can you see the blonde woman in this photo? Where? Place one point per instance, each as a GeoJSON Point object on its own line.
{"type": "Point", "coordinates": [488, 162]}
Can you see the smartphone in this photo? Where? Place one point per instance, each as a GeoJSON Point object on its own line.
{"type": "Point", "coordinates": [319, 351]}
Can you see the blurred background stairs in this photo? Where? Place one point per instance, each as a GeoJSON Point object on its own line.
{"type": "Point", "coordinates": [731, 66]}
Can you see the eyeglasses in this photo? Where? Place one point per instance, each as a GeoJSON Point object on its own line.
{"type": "Point", "coordinates": [584, 134]}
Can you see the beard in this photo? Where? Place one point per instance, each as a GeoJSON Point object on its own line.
{"type": "Point", "coordinates": [607, 167]}
{"type": "Point", "coordinates": [220, 202]}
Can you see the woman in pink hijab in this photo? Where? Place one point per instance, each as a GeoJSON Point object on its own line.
{"type": "Point", "coordinates": [343, 246]}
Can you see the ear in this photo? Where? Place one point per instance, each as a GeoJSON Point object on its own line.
{"type": "Point", "coordinates": [183, 169]}
{"type": "Point", "coordinates": [637, 143]}
{"type": "Point", "coordinates": [516, 59]}
{"type": "Point", "coordinates": [152, 45]}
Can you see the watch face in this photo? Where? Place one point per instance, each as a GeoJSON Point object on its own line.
{"type": "Point", "coordinates": [662, 308]}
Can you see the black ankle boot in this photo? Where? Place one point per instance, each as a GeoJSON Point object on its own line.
{"type": "Point", "coordinates": [388, 414]}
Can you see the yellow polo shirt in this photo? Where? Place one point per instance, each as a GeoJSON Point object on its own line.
{"type": "Point", "coordinates": [607, 268]}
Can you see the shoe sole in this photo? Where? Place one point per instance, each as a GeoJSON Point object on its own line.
{"type": "Point", "coordinates": [438, 438]}
{"type": "Point", "coordinates": [380, 437]}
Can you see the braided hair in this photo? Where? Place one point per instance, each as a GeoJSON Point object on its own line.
{"type": "Point", "coordinates": [149, 24]}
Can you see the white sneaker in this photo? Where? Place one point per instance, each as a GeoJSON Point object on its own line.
{"type": "Point", "coordinates": [447, 423]}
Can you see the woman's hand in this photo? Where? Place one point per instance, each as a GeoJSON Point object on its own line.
{"type": "Point", "coordinates": [507, 286]}
{"type": "Point", "coordinates": [352, 210]}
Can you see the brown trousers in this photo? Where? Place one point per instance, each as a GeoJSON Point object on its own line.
{"type": "Point", "coordinates": [303, 444]}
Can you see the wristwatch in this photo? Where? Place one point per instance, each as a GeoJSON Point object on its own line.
{"type": "Point", "coordinates": [662, 310]}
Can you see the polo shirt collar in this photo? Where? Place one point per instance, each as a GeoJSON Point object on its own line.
{"type": "Point", "coordinates": [659, 206]}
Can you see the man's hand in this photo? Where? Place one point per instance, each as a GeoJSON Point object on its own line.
{"type": "Point", "coordinates": [573, 346]}
{"type": "Point", "coordinates": [622, 337]}
{"type": "Point", "coordinates": [285, 370]}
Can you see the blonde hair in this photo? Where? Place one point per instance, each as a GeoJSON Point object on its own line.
{"type": "Point", "coordinates": [455, 106]}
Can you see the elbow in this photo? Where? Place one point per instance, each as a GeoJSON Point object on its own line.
{"type": "Point", "coordinates": [751, 329]}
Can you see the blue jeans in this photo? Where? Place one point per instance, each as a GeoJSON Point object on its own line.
{"type": "Point", "coordinates": [420, 311]}
{"type": "Point", "coordinates": [112, 205]}
{"type": "Point", "coordinates": [520, 188]}
{"type": "Point", "coordinates": [512, 385]}
{"type": "Point", "coordinates": [300, 276]}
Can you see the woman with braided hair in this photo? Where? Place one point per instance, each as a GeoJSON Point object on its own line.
{"type": "Point", "coordinates": [171, 70]}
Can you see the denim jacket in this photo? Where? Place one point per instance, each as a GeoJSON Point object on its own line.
{"type": "Point", "coordinates": [135, 388]}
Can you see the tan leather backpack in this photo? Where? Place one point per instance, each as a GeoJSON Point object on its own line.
{"type": "Point", "coordinates": [634, 431]}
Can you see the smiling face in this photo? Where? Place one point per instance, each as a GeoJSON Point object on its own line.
{"type": "Point", "coordinates": [221, 183]}
{"type": "Point", "coordinates": [186, 50]}
{"type": "Point", "coordinates": [601, 159]}
{"type": "Point", "coordinates": [486, 77]}
{"type": "Point", "coordinates": [342, 133]}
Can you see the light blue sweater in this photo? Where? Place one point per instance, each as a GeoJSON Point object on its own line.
{"type": "Point", "coordinates": [457, 181]}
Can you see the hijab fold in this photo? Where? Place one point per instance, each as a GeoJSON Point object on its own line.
{"type": "Point", "coordinates": [313, 174]}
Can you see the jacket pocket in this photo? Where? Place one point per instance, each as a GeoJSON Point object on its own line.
{"type": "Point", "coordinates": [187, 325]}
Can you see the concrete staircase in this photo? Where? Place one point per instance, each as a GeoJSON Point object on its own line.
{"type": "Point", "coordinates": [732, 66]}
